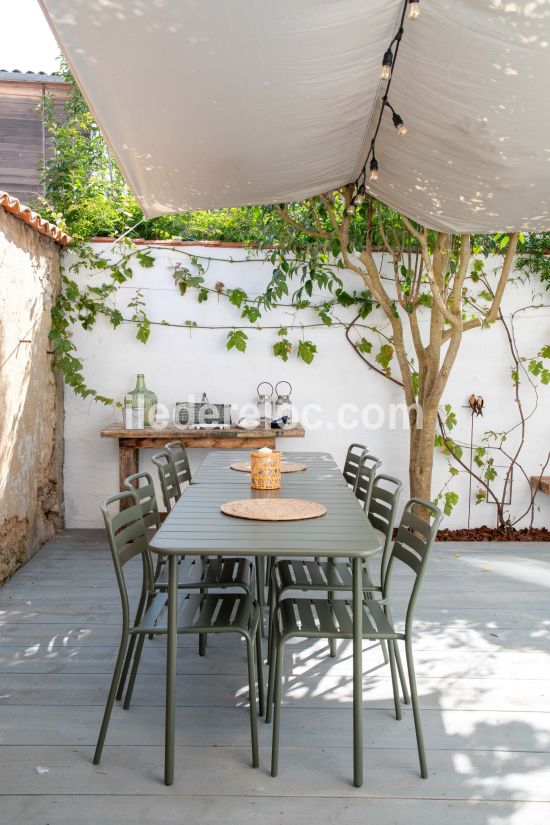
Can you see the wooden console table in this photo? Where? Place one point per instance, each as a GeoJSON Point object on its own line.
{"type": "Point", "coordinates": [130, 442]}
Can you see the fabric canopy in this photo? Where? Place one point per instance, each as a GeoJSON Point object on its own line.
{"type": "Point", "coordinates": [214, 103]}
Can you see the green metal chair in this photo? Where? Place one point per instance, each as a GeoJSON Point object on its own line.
{"type": "Point", "coordinates": [354, 455]}
{"type": "Point", "coordinates": [366, 474]}
{"type": "Point", "coordinates": [168, 479]}
{"type": "Point", "coordinates": [180, 460]}
{"type": "Point", "coordinates": [204, 572]}
{"type": "Point", "coordinates": [336, 575]}
{"type": "Point", "coordinates": [197, 613]}
{"type": "Point", "coordinates": [361, 473]}
{"type": "Point", "coordinates": [318, 618]}
{"type": "Point", "coordinates": [351, 465]}
{"type": "Point", "coordinates": [194, 572]}
{"type": "Point", "coordinates": [174, 471]}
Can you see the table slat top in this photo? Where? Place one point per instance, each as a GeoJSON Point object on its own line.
{"type": "Point", "coordinates": [196, 524]}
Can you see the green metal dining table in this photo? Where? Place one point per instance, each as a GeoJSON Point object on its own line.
{"type": "Point", "coordinates": [197, 527]}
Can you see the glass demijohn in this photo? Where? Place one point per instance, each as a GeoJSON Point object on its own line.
{"type": "Point", "coordinates": [139, 406]}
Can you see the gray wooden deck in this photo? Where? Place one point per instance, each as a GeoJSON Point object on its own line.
{"type": "Point", "coordinates": [483, 661]}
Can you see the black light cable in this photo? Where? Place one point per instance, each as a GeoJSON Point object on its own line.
{"type": "Point", "coordinates": [386, 73]}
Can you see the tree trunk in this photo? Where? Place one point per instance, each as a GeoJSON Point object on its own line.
{"type": "Point", "coordinates": [422, 454]}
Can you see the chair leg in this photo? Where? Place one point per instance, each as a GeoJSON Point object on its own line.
{"type": "Point", "coordinates": [133, 674]}
{"type": "Point", "coordinates": [416, 711]}
{"type": "Point", "coordinates": [332, 640]}
{"type": "Point", "coordinates": [273, 646]}
{"type": "Point", "coordinates": [402, 678]}
{"type": "Point", "coordinates": [385, 654]}
{"type": "Point", "coordinates": [277, 707]}
{"type": "Point", "coordinates": [111, 698]}
{"type": "Point", "coordinates": [260, 594]}
{"type": "Point", "coordinates": [130, 652]}
{"type": "Point", "coordinates": [253, 708]}
{"type": "Point", "coordinates": [124, 674]}
{"type": "Point", "coordinates": [272, 598]}
{"type": "Point", "coordinates": [394, 682]}
{"type": "Point", "coordinates": [260, 669]}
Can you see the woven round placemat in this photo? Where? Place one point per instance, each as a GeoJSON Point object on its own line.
{"type": "Point", "coordinates": [286, 466]}
{"type": "Point", "coordinates": [273, 509]}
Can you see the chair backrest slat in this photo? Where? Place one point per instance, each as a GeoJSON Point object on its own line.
{"type": "Point", "coordinates": [404, 553]}
{"type": "Point", "coordinates": [368, 467]}
{"type": "Point", "coordinates": [351, 465]}
{"type": "Point", "coordinates": [127, 516]}
{"type": "Point", "coordinates": [142, 485]}
{"type": "Point", "coordinates": [385, 494]}
{"type": "Point", "coordinates": [179, 456]}
{"type": "Point", "coordinates": [413, 522]}
{"type": "Point", "coordinates": [167, 477]}
{"type": "Point", "coordinates": [412, 546]}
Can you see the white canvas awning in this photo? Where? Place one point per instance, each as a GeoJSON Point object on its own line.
{"type": "Point", "coordinates": [212, 103]}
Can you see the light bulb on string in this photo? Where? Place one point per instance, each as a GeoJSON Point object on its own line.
{"type": "Point", "coordinates": [351, 209]}
{"type": "Point", "coordinates": [399, 125]}
{"type": "Point", "coordinates": [414, 9]}
{"type": "Point", "coordinates": [387, 63]}
{"type": "Point", "coordinates": [360, 197]}
{"type": "Point", "coordinates": [373, 166]}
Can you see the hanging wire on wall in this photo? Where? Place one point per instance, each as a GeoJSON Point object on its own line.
{"type": "Point", "coordinates": [387, 72]}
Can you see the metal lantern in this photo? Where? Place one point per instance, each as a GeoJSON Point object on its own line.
{"type": "Point", "coordinates": [264, 403]}
{"type": "Point", "coordinates": [283, 404]}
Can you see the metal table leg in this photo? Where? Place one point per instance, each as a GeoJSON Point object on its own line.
{"type": "Point", "coordinates": [171, 653]}
{"type": "Point", "coordinates": [357, 674]}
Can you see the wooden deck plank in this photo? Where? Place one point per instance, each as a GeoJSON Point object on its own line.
{"type": "Point", "coordinates": [245, 810]}
{"type": "Point", "coordinates": [225, 771]}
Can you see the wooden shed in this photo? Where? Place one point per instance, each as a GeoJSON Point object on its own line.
{"type": "Point", "coordinates": [23, 139]}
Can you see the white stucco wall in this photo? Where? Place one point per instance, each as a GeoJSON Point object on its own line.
{"type": "Point", "coordinates": [178, 363]}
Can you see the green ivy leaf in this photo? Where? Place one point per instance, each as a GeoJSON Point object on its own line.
{"type": "Point", "coordinates": [479, 456]}
{"type": "Point", "coordinates": [146, 259]}
{"type": "Point", "coordinates": [450, 417]}
{"type": "Point", "coordinates": [364, 346]}
{"type": "Point", "coordinates": [306, 351]}
{"type": "Point", "coordinates": [384, 357]}
{"type": "Point", "coordinates": [282, 349]}
{"type": "Point", "coordinates": [236, 339]}
{"type": "Point", "coordinates": [143, 330]}
{"type": "Point", "coordinates": [451, 500]}
{"type": "Point", "coordinates": [252, 313]}
{"type": "Point", "coordinates": [237, 297]}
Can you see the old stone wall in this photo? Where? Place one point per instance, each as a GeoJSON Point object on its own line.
{"type": "Point", "coordinates": [31, 396]}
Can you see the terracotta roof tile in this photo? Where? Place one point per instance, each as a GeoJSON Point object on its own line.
{"type": "Point", "coordinates": [33, 219]}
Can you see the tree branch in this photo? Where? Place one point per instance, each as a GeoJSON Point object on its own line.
{"type": "Point", "coordinates": [306, 230]}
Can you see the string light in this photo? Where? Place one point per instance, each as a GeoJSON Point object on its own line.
{"type": "Point", "coordinates": [396, 118]}
{"type": "Point", "coordinates": [373, 166]}
{"type": "Point", "coordinates": [387, 63]}
{"type": "Point", "coordinates": [414, 9]}
{"type": "Point", "coordinates": [387, 72]}
{"type": "Point", "coordinates": [399, 125]}
{"type": "Point", "coordinates": [360, 196]}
